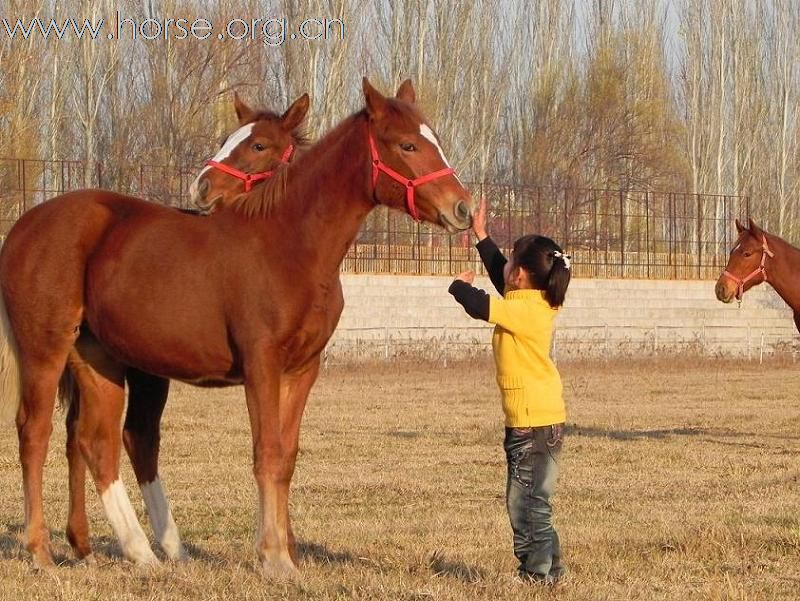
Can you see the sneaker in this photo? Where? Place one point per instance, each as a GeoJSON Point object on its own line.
{"type": "Point", "coordinates": [534, 579]}
{"type": "Point", "coordinates": [558, 574]}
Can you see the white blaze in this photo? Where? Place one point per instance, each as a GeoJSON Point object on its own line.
{"type": "Point", "coordinates": [428, 134]}
{"type": "Point", "coordinates": [230, 145]}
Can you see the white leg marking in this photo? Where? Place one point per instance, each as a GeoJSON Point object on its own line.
{"type": "Point", "coordinates": [161, 519]}
{"type": "Point", "coordinates": [119, 511]}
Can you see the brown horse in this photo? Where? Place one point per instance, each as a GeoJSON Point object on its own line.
{"type": "Point", "coordinates": [249, 155]}
{"type": "Point", "coordinates": [269, 139]}
{"type": "Point", "coordinates": [234, 298]}
{"type": "Point", "coordinates": [761, 257]}
{"type": "Point", "coordinates": [263, 142]}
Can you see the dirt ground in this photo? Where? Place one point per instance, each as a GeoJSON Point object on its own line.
{"type": "Point", "coordinates": [679, 480]}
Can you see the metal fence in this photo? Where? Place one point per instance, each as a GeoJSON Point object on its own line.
{"type": "Point", "coordinates": [609, 233]}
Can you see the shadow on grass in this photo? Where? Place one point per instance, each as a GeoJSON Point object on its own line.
{"type": "Point", "coordinates": [11, 542]}
{"type": "Point", "coordinates": [595, 432]}
{"type": "Point", "coordinates": [322, 554]}
{"type": "Point", "coordinates": [720, 436]}
{"type": "Point", "coordinates": [442, 566]}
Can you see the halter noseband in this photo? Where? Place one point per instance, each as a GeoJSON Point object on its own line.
{"type": "Point", "coordinates": [410, 184]}
{"type": "Point", "coordinates": [250, 178]}
{"type": "Point", "coordinates": [760, 270]}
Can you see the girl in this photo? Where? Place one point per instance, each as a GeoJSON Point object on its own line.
{"type": "Point", "coordinates": [533, 284]}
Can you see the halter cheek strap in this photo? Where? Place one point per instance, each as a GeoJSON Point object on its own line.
{"type": "Point", "coordinates": [250, 178]}
{"type": "Point", "coordinates": [410, 184]}
{"type": "Point", "coordinates": [760, 270]}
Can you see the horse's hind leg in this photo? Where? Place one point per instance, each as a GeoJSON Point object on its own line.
{"type": "Point", "coordinates": [77, 523]}
{"type": "Point", "coordinates": [34, 427]}
{"type": "Point", "coordinates": [101, 383]}
{"type": "Point", "coordinates": [147, 396]}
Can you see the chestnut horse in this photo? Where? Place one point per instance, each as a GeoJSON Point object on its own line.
{"type": "Point", "coordinates": [262, 143]}
{"type": "Point", "coordinates": [249, 155]}
{"type": "Point", "coordinates": [249, 296]}
{"type": "Point", "coordinates": [761, 257]}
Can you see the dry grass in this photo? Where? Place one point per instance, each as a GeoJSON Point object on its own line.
{"type": "Point", "coordinates": [679, 481]}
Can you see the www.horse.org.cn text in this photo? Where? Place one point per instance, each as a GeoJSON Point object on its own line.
{"type": "Point", "coordinates": [271, 31]}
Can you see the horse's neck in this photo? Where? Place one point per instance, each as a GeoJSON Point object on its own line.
{"type": "Point", "coordinates": [327, 197]}
{"type": "Point", "coordinates": [783, 270]}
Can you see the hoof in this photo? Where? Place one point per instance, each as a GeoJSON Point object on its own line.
{"type": "Point", "coordinates": [280, 569]}
{"type": "Point", "coordinates": [141, 555]}
{"type": "Point", "coordinates": [42, 560]}
{"type": "Point", "coordinates": [174, 551]}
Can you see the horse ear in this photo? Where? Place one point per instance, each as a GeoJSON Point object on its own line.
{"type": "Point", "coordinates": [376, 102]}
{"type": "Point", "coordinates": [406, 92]}
{"type": "Point", "coordinates": [243, 112]}
{"type": "Point", "coordinates": [739, 227]}
{"type": "Point", "coordinates": [295, 114]}
{"type": "Point", "coordinates": [754, 229]}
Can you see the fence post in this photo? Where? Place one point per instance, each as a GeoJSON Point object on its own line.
{"type": "Point", "coordinates": [703, 343]}
{"type": "Point", "coordinates": [699, 239]}
{"type": "Point", "coordinates": [386, 343]}
{"type": "Point", "coordinates": [24, 186]}
{"type": "Point", "coordinates": [761, 352]}
{"type": "Point", "coordinates": [444, 342]}
{"type": "Point", "coordinates": [647, 230]}
{"type": "Point", "coordinates": [622, 234]}
{"type": "Point", "coordinates": [749, 335]}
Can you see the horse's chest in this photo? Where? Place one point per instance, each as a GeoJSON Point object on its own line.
{"type": "Point", "coordinates": [316, 322]}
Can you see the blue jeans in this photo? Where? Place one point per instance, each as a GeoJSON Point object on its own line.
{"type": "Point", "coordinates": [532, 455]}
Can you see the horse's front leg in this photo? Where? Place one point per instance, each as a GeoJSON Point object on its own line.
{"type": "Point", "coordinates": [797, 321]}
{"type": "Point", "coordinates": [271, 466]}
{"type": "Point", "coordinates": [294, 393]}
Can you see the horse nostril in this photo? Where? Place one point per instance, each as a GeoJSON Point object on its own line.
{"type": "Point", "coordinates": [202, 189]}
{"type": "Point", "coordinates": [462, 211]}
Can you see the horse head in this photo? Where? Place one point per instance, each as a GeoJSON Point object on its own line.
{"type": "Point", "coordinates": [263, 142]}
{"type": "Point", "coordinates": [747, 264]}
{"type": "Point", "coordinates": [410, 171]}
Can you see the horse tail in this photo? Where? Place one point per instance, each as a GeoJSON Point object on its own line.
{"type": "Point", "coordinates": [10, 380]}
{"type": "Point", "coordinates": [68, 391]}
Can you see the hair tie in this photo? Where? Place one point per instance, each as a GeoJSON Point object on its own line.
{"type": "Point", "coordinates": [564, 257]}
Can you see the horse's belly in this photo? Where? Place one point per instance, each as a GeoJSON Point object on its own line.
{"type": "Point", "coordinates": [145, 326]}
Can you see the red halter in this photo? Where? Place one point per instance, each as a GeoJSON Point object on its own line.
{"type": "Point", "coordinates": [761, 269]}
{"type": "Point", "coordinates": [249, 178]}
{"type": "Point", "coordinates": [410, 184]}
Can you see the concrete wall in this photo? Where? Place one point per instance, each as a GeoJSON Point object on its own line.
{"type": "Point", "coordinates": [414, 315]}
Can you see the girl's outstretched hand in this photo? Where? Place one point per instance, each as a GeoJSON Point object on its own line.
{"type": "Point", "coordinates": [467, 276]}
{"type": "Point", "coordinates": [479, 220]}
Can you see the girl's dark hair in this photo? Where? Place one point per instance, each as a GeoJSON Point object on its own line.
{"type": "Point", "coordinates": [547, 272]}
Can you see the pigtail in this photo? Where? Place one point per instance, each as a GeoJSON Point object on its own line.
{"type": "Point", "coordinates": [558, 280]}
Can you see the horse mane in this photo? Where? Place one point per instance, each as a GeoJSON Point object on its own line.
{"type": "Point", "coordinates": [299, 133]}
{"type": "Point", "coordinates": [262, 200]}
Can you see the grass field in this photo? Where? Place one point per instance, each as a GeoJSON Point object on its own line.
{"type": "Point", "coordinates": [679, 481]}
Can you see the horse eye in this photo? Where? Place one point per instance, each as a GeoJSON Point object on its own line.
{"type": "Point", "coordinates": [747, 253]}
{"type": "Point", "coordinates": [258, 147]}
{"type": "Point", "coordinates": [408, 147]}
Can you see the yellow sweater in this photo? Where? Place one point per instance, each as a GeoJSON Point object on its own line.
{"type": "Point", "coordinates": [528, 379]}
